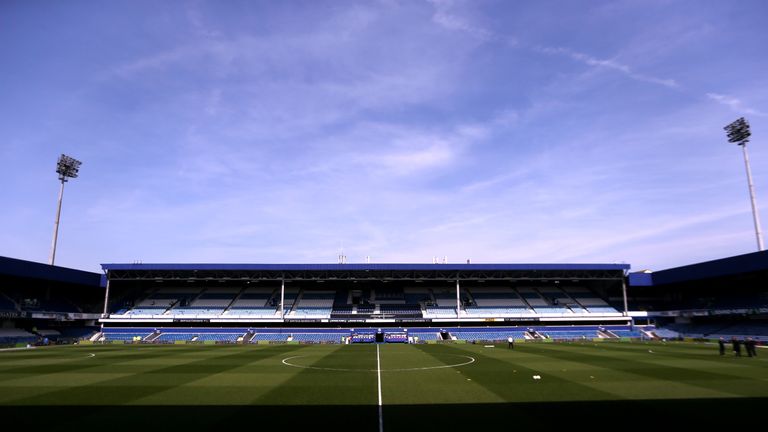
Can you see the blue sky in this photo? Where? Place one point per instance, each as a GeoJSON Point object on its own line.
{"type": "Point", "coordinates": [496, 131]}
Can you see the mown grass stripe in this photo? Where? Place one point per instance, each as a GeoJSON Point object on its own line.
{"type": "Point", "coordinates": [514, 381]}
{"type": "Point", "coordinates": [408, 374]}
{"type": "Point", "coordinates": [678, 372]}
{"type": "Point", "coordinates": [693, 357]}
{"type": "Point", "coordinates": [329, 387]}
{"type": "Point", "coordinates": [601, 377]}
{"type": "Point", "coordinates": [154, 379]}
{"type": "Point", "coordinates": [74, 359]}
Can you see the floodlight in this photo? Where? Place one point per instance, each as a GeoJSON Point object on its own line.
{"type": "Point", "coordinates": [739, 133]}
{"type": "Point", "coordinates": [67, 168]}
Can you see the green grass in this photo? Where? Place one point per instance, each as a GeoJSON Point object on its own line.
{"type": "Point", "coordinates": [203, 386]}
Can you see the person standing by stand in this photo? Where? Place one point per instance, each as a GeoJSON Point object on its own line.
{"type": "Point", "coordinates": [510, 342]}
{"type": "Point", "coordinates": [721, 344]}
{"type": "Point", "coordinates": [736, 347]}
{"type": "Point", "coordinates": [749, 344]}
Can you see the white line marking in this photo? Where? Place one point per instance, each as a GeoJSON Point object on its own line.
{"type": "Point", "coordinates": [287, 361]}
{"type": "Point", "coordinates": [17, 349]}
{"type": "Point", "coordinates": [378, 371]}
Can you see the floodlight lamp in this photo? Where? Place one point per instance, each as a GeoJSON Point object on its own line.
{"type": "Point", "coordinates": [67, 167]}
{"type": "Point", "coordinates": [738, 132]}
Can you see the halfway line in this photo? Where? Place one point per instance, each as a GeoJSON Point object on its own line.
{"type": "Point", "coordinates": [378, 372]}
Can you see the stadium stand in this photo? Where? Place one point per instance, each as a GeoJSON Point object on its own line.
{"type": "Point", "coordinates": [532, 297]}
{"type": "Point", "coordinates": [401, 310]}
{"type": "Point", "coordinates": [492, 301]}
{"type": "Point", "coordinates": [574, 332]}
{"type": "Point", "coordinates": [602, 310]}
{"type": "Point", "coordinates": [319, 337]}
{"type": "Point", "coordinates": [717, 329]}
{"type": "Point", "coordinates": [313, 304]}
{"type": "Point", "coordinates": [440, 312]}
{"type": "Point", "coordinates": [388, 295]}
{"type": "Point", "coordinates": [628, 333]}
{"type": "Point", "coordinates": [44, 304]}
{"type": "Point", "coordinates": [487, 334]}
{"type": "Point", "coordinates": [253, 297]}
{"type": "Point", "coordinates": [424, 335]}
{"type": "Point", "coordinates": [125, 334]}
{"type": "Point", "coordinates": [552, 310]}
{"type": "Point", "coordinates": [418, 295]}
{"type": "Point", "coordinates": [708, 300]}
{"type": "Point", "coordinates": [340, 335]}
{"type": "Point", "coordinates": [666, 333]}
{"type": "Point", "coordinates": [198, 312]}
{"type": "Point", "coordinates": [7, 304]}
{"type": "Point", "coordinates": [13, 336]}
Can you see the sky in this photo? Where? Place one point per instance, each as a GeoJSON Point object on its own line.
{"type": "Point", "coordinates": [289, 131]}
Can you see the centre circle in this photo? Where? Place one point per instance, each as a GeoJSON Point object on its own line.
{"type": "Point", "coordinates": [295, 362]}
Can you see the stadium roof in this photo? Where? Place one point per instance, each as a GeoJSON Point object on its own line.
{"type": "Point", "coordinates": [364, 271]}
{"type": "Point", "coordinates": [345, 267]}
{"type": "Point", "coordinates": [33, 270]}
{"type": "Point", "coordinates": [739, 264]}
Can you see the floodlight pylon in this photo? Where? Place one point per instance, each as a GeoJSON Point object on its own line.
{"type": "Point", "coordinates": [739, 133]}
{"type": "Point", "coordinates": [67, 168]}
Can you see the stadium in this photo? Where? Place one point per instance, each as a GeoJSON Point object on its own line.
{"type": "Point", "coordinates": [383, 346]}
{"type": "Point", "coordinates": [582, 163]}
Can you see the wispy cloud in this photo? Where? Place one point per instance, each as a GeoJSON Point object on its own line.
{"type": "Point", "coordinates": [425, 157]}
{"type": "Point", "coordinates": [391, 149]}
{"type": "Point", "coordinates": [652, 230]}
{"type": "Point", "coordinates": [196, 19]}
{"type": "Point", "coordinates": [445, 15]}
{"type": "Point", "coordinates": [735, 104]}
{"type": "Point", "coordinates": [607, 64]}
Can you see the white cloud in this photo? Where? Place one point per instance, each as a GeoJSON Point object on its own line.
{"type": "Point", "coordinates": [443, 17]}
{"type": "Point", "coordinates": [196, 19]}
{"type": "Point", "coordinates": [735, 104]}
{"type": "Point", "coordinates": [446, 15]}
{"type": "Point", "coordinates": [608, 64]}
{"type": "Point", "coordinates": [408, 161]}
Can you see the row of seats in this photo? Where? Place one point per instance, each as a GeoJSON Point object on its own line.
{"type": "Point", "coordinates": [36, 304]}
{"type": "Point", "coordinates": [586, 334]}
{"type": "Point", "coordinates": [335, 336]}
{"type": "Point", "coordinates": [437, 302]}
{"type": "Point", "coordinates": [488, 336]}
{"type": "Point", "coordinates": [718, 329]}
{"type": "Point", "coordinates": [328, 312]}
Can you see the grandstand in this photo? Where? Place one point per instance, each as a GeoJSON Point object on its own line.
{"type": "Point", "coordinates": [721, 298]}
{"type": "Point", "coordinates": [408, 295]}
{"type": "Point", "coordinates": [321, 303]}
{"type": "Point", "coordinates": [47, 304]}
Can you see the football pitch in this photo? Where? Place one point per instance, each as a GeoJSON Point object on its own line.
{"type": "Point", "coordinates": [381, 387]}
